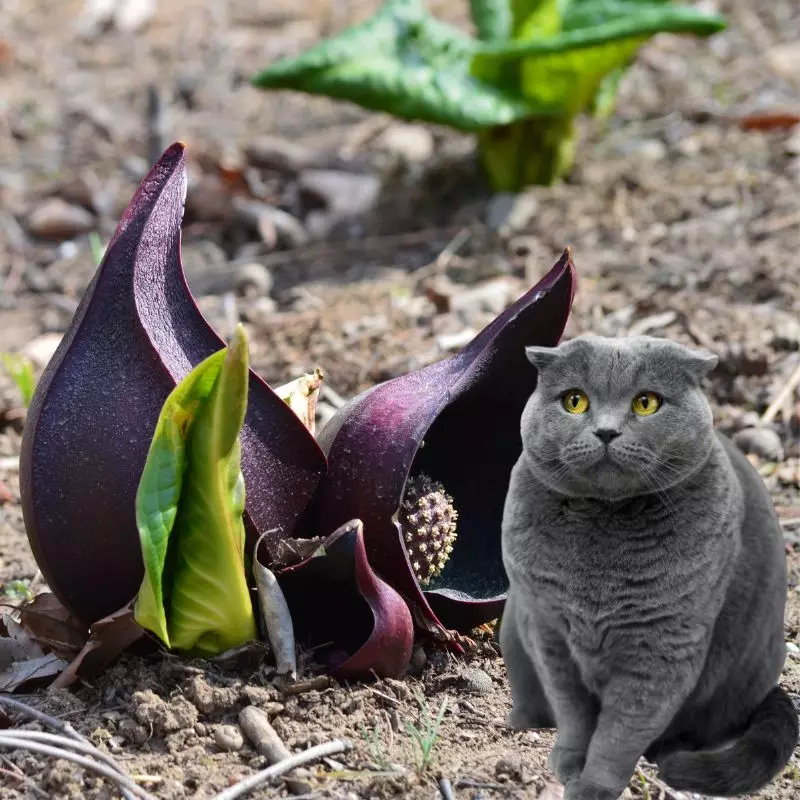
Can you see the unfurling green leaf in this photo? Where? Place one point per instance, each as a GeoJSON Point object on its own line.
{"type": "Point", "coordinates": [405, 62]}
{"type": "Point", "coordinates": [189, 506]}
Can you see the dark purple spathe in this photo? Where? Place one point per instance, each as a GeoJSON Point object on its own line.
{"type": "Point", "coordinates": [457, 421]}
{"type": "Point", "coordinates": [136, 333]}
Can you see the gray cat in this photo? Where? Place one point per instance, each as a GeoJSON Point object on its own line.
{"type": "Point", "coordinates": [647, 578]}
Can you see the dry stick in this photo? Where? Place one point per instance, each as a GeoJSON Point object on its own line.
{"type": "Point", "coordinates": [45, 719]}
{"type": "Point", "coordinates": [87, 763]}
{"type": "Point", "coordinates": [287, 765]}
{"type": "Point", "coordinates": [64, 741]}
{"type": "Point", "coordinates": [66, 729]}
{"type": "Point", "coordinates": [775, 406]}
{"type": "Point", "coordinates": [264, 738]}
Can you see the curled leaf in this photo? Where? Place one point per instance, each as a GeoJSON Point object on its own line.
{"type": "Point", "coordinates": [108, 639]}
{"type": "Point", "coordinates": [277, 618]}
{"type": "Point", "coordinates": [301, 396]}
{"type": "Point", "coordinates": [355, 622]}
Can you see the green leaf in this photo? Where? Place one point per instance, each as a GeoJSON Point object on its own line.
{"type": "Point", "coordinates": [563, 73]}
{"type": "Point", "coordinates": [534, 19]}
{"type": "Point", "coordinates": [492, 19]}
{"type": "Point", "coordinates": [189, 507]}
{"type": "Point", "coordinates": [623, 21]}
{"type": "Point", "coordinates": [404, 62]}
{"type": "Point", "coordinates": [570, 80]}
{"type": "Point", "coordinates": [604, 102]}
{"type": "Point", "coordinates": [535, 151]}
{"type": "Point", "coordinates": [20, 370]}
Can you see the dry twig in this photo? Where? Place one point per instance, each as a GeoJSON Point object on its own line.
{"type": "Point", "coordinates": [777, 403]}
{"type": "Point", "coordinates": [110, 774]}
{"type": "Point", "coordinates": [287, 765]}
{"type": "Point", "coordinates": [70, 737]}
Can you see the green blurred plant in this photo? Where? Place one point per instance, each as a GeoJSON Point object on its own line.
{"type": "Point", "coordinates": [96, 245]}
{"type": "Point", "coordinates": [20, 370]}
{"type": "Point", "coordinates": [536, 65]}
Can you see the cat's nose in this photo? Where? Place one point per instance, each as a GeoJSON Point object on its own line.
{"type": "Point", "coordinates": [605, 435]}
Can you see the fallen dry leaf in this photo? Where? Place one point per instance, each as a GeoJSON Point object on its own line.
{"type": "Point", "coordinates": [50, 624]}
{"type": "Point", "coordinates": [22, 660]}
{"type": "Point", "coordinates": [108, 638]}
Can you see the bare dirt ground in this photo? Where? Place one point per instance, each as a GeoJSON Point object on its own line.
{"type": "Point", "coordinates": [683, 216]}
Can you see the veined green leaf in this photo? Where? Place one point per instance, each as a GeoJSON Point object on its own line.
{"type": "Point", "coordinates": [492, 19]}
{"type": "Point", "coordinates": [405, 62]}
{"type": "Point", "coordinates": [563, 73]}
{"type": "Point", "coordinates": [533, 19]}
{"type": "Point", "coordinates": [190, 503]}
{"type": "Point", "coordinates": [647, 21]}
{"type": "Point", "coordinates": [572, 79]}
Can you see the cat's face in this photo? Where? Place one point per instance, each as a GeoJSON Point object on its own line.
{"type": "Point", "coordinates": [617, 418]}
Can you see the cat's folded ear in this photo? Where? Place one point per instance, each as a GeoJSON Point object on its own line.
{"type": "Point", "coordinates": [697, 362]}
{"type": "Point", "coordinates": [541, 357]}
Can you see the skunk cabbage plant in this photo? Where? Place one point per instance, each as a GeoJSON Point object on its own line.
{"type": "Point", "coordinates": [144, 424]}
{"type": "Point", "coordinates": [424, 461]}
{"type": "Point", "coordinates": [195, 595]}
{"type": "Point", "coordinates": [365, 626]}
{"type": "Point", "coordinates": [138, 332]}
{"type": "Point", "coordinates": [535, 66]}
{"type": "Point", "coordinates": [107, 426]}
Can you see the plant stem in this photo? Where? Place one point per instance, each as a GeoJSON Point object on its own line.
{"type": "Point", "coordinates": [535, 151]}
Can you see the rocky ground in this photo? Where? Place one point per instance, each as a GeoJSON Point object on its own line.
{"type": "Point", "coordinates": [386, 253]}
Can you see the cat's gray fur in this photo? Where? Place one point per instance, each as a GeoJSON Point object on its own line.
{"type": "Point", "coordinates": [647, 580]}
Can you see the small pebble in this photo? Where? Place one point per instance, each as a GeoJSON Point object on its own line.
{"type": "Point", "coordinates": [412, 143]}
{"type": "Point", "coordinates": [762, 442]}
{"type": "Point", "coordinates": [56, 219]}
{"type": "Point", "coordinates": [228, 738]}
{"type": "Point", "coordinates": [509, 213]}
{"type": "Point", "coordinates": [133, 732]}
{"type": "Point", "coordinates": [476, 681]}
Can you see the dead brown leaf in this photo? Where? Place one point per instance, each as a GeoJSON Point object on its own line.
{"type": "Point", "coordinates": [50, 624]}
{"type": "Point", "coordinates": [108, 638]}
{"type": "Point", "coordinates": [22, 660]}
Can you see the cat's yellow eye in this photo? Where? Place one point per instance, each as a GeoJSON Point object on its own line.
{"type": "Point", "coordinates": [646, 403]}
{"type": "Point", "coordinates": [575, 401]}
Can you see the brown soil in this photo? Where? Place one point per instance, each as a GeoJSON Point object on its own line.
{"type": "Point", "coordinates": [682, 224]}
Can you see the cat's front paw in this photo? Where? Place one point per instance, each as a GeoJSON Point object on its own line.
{"type": "Point", "coordinates": [566, 763]}
{"type": "Point", "coordinates": [579, 789]}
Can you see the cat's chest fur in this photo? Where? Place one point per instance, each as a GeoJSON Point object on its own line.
{"type": "Point", "coordinates": [613, 579]}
